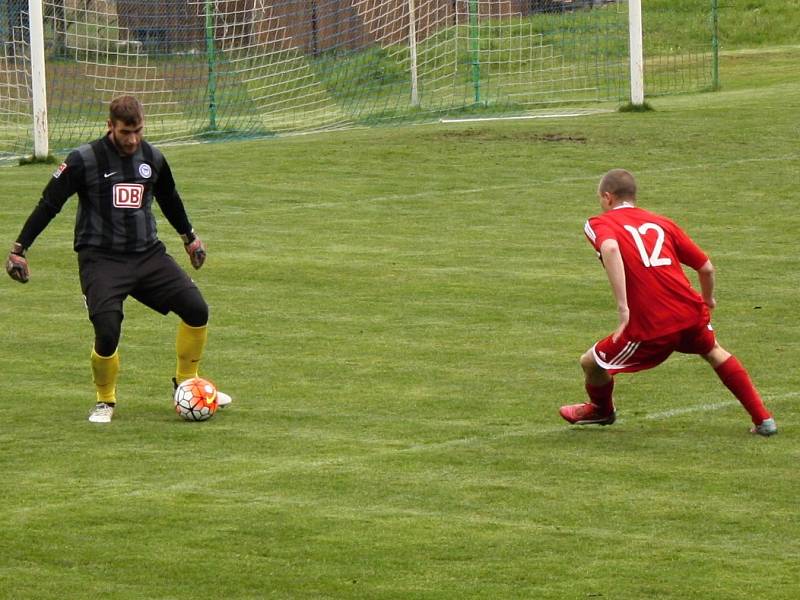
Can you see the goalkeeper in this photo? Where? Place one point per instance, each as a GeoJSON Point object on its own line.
{"type": "Point", "coordinates": [119, 254]}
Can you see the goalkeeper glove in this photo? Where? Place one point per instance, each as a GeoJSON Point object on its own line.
{"type": "Point", "coordinates": [17, 264]}
{"type": "Point", "coordinates": [195, 248]}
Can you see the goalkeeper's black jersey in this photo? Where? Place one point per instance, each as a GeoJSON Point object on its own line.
{"type": "Point", "coordinates": [115, 195]}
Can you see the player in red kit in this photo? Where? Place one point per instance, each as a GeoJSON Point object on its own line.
{"type": "Point", "coordinates": [659, 311]}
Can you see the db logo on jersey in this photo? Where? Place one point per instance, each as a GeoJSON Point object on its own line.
{"type": "Point", "coordinates": [128, 195]}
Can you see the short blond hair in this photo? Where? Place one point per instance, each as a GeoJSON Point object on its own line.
{"type": "Point", "coordinates": [126, 109]}
{"type": "Point", "coordinates": [620, 183]}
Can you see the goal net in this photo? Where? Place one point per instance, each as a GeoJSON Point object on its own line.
{"type": "Point", "coordinates": [222, 69]}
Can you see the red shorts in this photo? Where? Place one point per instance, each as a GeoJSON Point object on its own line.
{"type": "Point", "coordinates": [628, 356]}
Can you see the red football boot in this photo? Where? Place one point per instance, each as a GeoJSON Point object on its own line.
{"type": "Point", "coordinates": [587, 414]}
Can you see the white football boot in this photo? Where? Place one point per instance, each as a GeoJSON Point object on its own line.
{"type": "Point", "coordinates": [223, 399]}
{"type": "Point", "coordinates": [102, 413]}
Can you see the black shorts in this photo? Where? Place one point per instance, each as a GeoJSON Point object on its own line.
{"type": "Point", "coordinates": [152, 277]}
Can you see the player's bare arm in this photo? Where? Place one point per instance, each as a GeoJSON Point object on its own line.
{"type": "Point", "coordinates": [707, 283]}
{"type": "Point", "coordinates": [615, 270]}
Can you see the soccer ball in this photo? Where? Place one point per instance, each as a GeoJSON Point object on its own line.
{"type": "Point", "coordinates": [196, 399]}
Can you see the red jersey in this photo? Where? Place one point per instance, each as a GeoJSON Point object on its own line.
{"type": "Point", "coordinates": [660, 298]}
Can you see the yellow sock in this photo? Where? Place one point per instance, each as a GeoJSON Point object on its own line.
{"type": "Point", "coordinates": [104, 374]}
{"type": "Point", "coordinates": [189, 346]}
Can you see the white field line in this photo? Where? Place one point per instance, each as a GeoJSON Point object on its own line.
{"type": "Point", "coordinates": [593, 177]}
{"type": "Point", "coordinates": [526, 186]}
{"type": "Point", "coordinates": [533, 431]}
{"type": "Point", "coordinates": [686, 410]}
{"type": "Point", "coordinates": [514, 432]}
{"type": "Point", "coordinates": [293, 465]}
{"type": "Point", "coordinates": [524, 117]}
{"type": "Point", "coordinates": [715, 406]}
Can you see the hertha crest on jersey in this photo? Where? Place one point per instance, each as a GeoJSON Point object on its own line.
{"type": "Point", "coordinates": [128, 195]}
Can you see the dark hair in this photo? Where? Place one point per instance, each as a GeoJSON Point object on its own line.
{"type": "Point", "coordinates": [620, 183]}
{"type": "Point", "coordinates": [126, 109]}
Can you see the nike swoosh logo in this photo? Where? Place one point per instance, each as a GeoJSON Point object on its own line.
{"type": "Point", "coordinates": [107, 175]}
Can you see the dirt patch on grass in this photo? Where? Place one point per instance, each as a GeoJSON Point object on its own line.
{"type": "Point", "coordinates": [488, 135]}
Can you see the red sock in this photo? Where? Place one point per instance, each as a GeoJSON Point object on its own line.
{"type": "Point", "coordinates": [736, 379]}
{"type": "Point", "coordinates": [601, 395]}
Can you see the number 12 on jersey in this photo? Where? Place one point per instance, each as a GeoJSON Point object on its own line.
{"type": "Point", "coordinates": [654, 258]}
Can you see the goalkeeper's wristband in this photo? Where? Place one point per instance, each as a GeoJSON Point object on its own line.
{"type": "Point", "coordinates": [188, 238]}
{"type": "Point", "coordinates": [18, 249]}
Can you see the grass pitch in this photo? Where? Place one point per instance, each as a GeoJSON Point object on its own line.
{"type": "Point", "coordinates": [398, 314]}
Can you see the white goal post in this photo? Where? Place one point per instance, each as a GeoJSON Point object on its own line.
{"type": "Point", "coordinates": [636, 51]}
{"type": "Point", "coordinates": [41, 145]}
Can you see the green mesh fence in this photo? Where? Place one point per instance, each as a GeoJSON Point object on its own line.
{"type": "Point", "coordinates": [217, 70]}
